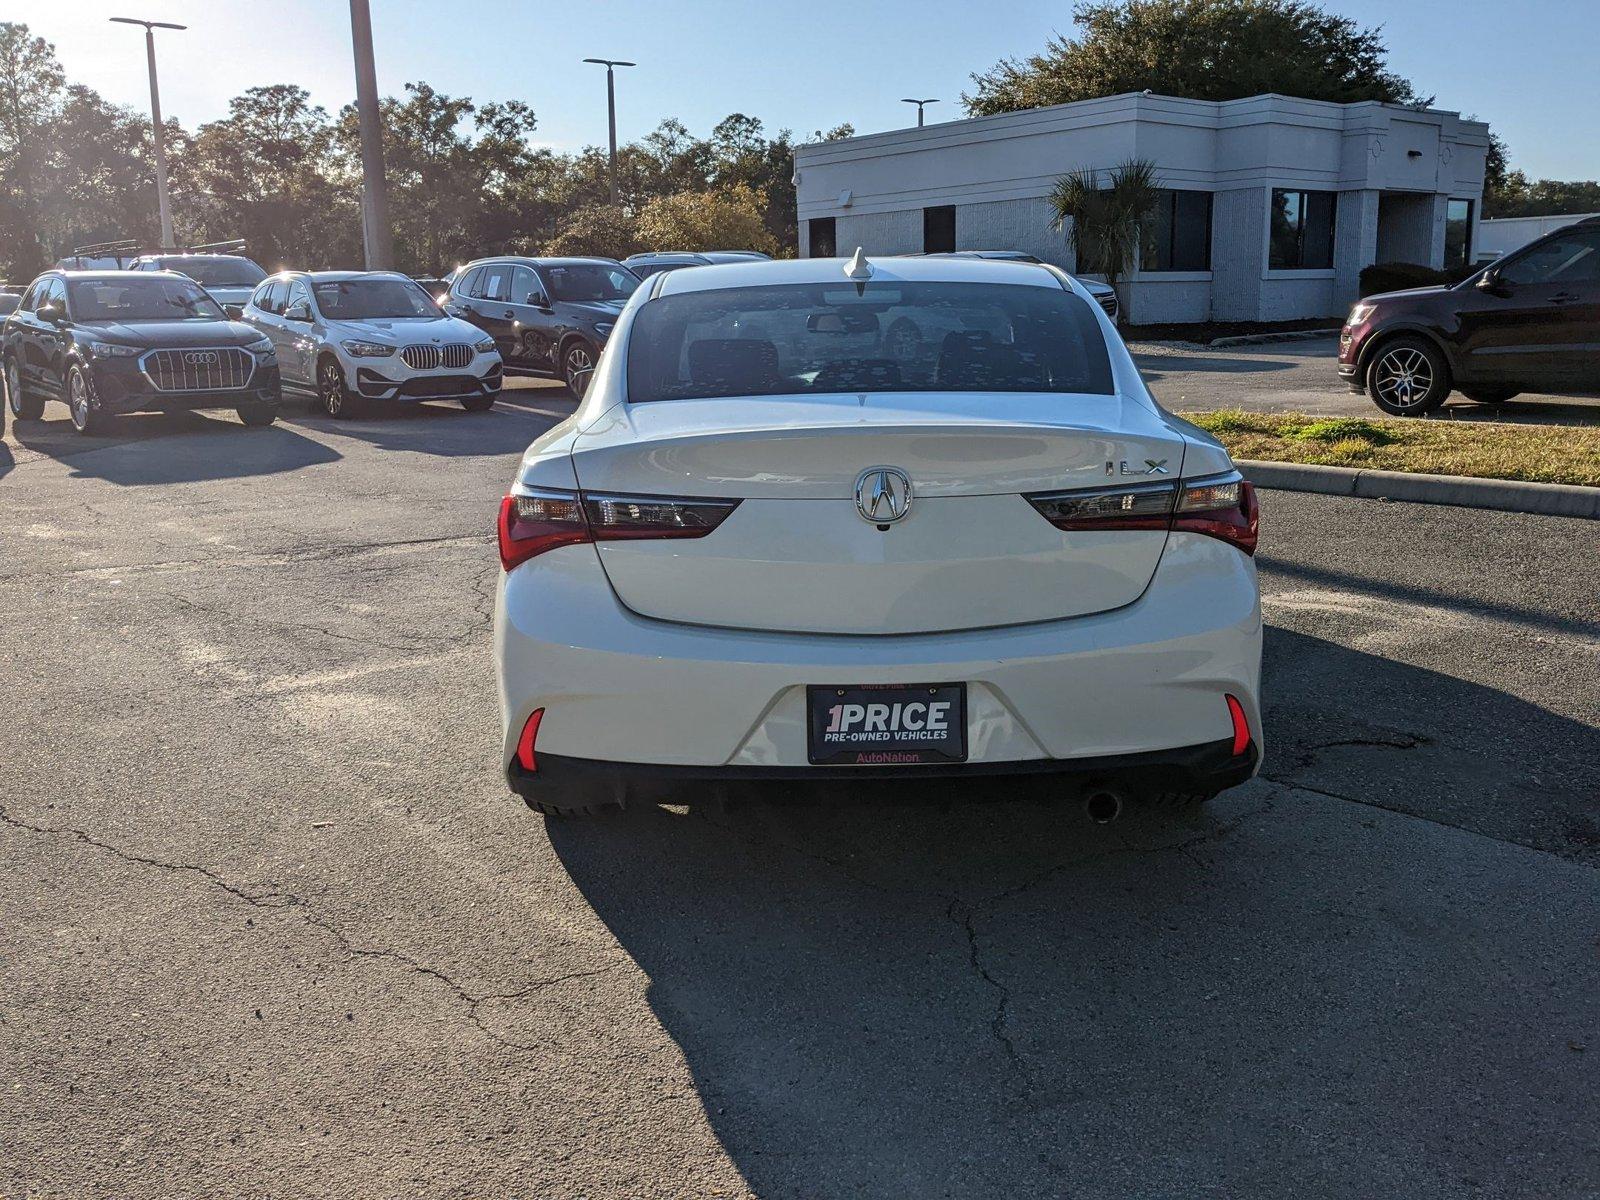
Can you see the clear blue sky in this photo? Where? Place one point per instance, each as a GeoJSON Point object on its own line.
{"type": "Point", "coordinates": [1529, 67]}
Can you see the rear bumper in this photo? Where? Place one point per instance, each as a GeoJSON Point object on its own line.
{"type": "Point", "coordinates": [1195, 770]}
{"type": "Point", "coordinates": [628, 695]}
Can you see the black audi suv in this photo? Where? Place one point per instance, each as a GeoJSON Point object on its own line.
{"type": "Point", "coordinates": [113, 342]}
{"type": "Point", "coordinates": [1528, 322]}
{"type": "Point", "coordinates": [545, 314]}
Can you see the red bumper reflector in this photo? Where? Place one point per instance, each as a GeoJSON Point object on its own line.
{"type": "Point", "coordinates": [530, 731]}
{"type": "Point", "coordinates": [1241, 727]}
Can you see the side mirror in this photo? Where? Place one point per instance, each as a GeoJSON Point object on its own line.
{"type": "Point", "coordinates": [298, 311]}
{"type": "Point", "coordinates": [1492, 283]}
{"type": "Point", "coordinates": [453, 310]}
{"type": "Point", "coordinates": [52, 312]}
{"type": "Point", "coordinates": [234, 311]}
{"type": "Point", "coordinates": [539, 300]}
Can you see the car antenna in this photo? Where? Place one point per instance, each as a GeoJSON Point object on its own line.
{"type": "Point", "coordinates": [858, 267]}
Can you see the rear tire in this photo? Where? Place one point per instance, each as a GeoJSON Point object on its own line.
{"type": "Point", "coordinates": [1408, 377]}
{"type": "Point", "coordinates": [258, 414]}
{"type": "Point", "coordinates": [479, 403]}
{"type": "Point", "coordinates": [24, 405]}
{"type": "Point", "coordinates": [333, 396]}
{"type": "Point", "coordinates": [88, 420]}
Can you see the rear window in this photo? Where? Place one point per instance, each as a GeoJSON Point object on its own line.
{"type": "Point", "coordinates": [874, 337]}
{"type": "Point", "coordinates": [217, 272]}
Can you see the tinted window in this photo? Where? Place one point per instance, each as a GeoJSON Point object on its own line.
{"type": "Point", "coordinates": [216, 272]}
{"type": "Point", "coordinates": [365, 299]}
{"type": "Point", "coordinates": [880, 337]}
{"type": "Point", "coordinates": [297, 294]}
{"type": "Point", "coordinates": [464, 285]}
{"type": "Point", "coordinates": [1177, 236]}
{"type": "Point", "coordinates": [591, 281]}
{"type": "Point", "coordinates": [30, 298]}
{"type": "Point", "coordinates": [55, 292]}
{"type": "Point", "coordinates": [822, 240]}
{"type": "Point", "coordinates": [1302, 230]}
{"type": "Point", "coordinates": [129, 299]}
{"type": "Point", "coordinates": [269, 296]}
{"type": "Point", "coordinates": [494, 283]}
{"type": "Point", "coordinates": [525, 287]}
{"type": "Point", "coordinates": [1569, 257]}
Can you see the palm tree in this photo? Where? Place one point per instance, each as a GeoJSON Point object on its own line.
{"type": "Point", "coordinates": [1106, 220]}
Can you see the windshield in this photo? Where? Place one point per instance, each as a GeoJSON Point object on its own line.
{"type": "Point", "coordinates": [135, 299]}
{"type": "Point", "coordinates": [367, 299]}
{"type": "Point", "coordinates": [874, 337]}
{"type": "Point", "coordinates": [217, 272]}
{"type": "Point", "coordinates": [587, 282]}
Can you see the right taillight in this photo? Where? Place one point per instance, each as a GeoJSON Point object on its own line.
{"type": "Point", "coordinates": [538, 519]}
{"type": "Point", "coordinates": [1223, 506]}
{"type": "Point", "coordinates": [1220, 506]}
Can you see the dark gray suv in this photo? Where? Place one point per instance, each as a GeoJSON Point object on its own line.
{"type": "Point", "coordinates": [551, 315]}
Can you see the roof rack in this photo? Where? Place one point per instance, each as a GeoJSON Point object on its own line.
{"type": "Point", "coordinates": [106, 249]}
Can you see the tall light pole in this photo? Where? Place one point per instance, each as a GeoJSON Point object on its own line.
{"type": "Point", "coordinates": [168, 240]}
{"type": "Point", "coordinates": [920, 104]}
{"type": "Point", "coordinates": [611, 113]}
{"type": "Point", "coordinates": [376, 236]}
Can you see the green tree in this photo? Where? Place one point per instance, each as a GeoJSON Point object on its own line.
{"type": "Point", "coordinates": [601, 230]}
{"type": "Point", "coordinates": [728, 218]}
{"type": "Point", "coordinates": [1106, 220]}
{"type": "Point", "coordinates": [31, 83]}
{"type": "Point", "coordinates": [1201, 49]}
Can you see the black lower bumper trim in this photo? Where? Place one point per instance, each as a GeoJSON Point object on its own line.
{"type": "Point", "coordinates": [1205, 769]}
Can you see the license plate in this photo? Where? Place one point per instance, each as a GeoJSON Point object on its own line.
{"type": "Point", "coordinates": [886, 725]}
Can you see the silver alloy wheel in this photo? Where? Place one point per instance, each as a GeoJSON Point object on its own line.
{"type": "Point", "coordinates": [78, 399]}
{"type": "Point", "coordinates": [331, 392]}
{"type": "Point", "coordinates": [577, 366]}
{"type": "Point", "coordinates": [1402, 377]}
{"type": "Point", "coordinates": [14, 388]}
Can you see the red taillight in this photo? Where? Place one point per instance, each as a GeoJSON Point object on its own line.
{"type": "Point", "coordinates": [1241, 726]}
{"type": "Point", "coordinates": [530, 734]}
{"type": "Point", "coordinates": [1220, 506]}
{"type": "Point", "coordinates": [540, 519]}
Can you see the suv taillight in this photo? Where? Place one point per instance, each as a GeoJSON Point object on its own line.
{"type": "Point", "coordinates": [1219, 506]}
{"type": "Point", "coordinates": [538, 519]}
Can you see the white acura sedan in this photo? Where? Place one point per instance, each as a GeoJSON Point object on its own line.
{"type": "Point", "coordinates": [766, 547]}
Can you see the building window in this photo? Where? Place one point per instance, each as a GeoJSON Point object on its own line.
{"type": "Point", "coordinates": [1302, 230]}
{"type": "Point", "coordinates": [1178, 236]}
{"type": "Point", "coordinates": [1457, 234]}
{"type": "Point", "coordinates": [939, 229]}
{"type": "Point", "coordinates": [822, 240]}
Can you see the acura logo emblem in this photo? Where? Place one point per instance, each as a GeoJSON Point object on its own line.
{"type": "Point", "coordinates": [200, 358]}
{"type": "Point", "coordinates": [883, 494]}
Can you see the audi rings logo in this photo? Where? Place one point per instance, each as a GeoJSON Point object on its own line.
{"type": "Point", "coordinates": [201, 358]}
{"type": "Point", "coordinates": [883, 494]}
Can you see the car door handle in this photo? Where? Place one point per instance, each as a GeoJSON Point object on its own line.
{"type": "Point", "coordinates": [1563, 297]}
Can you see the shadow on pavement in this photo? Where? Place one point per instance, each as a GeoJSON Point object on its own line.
{"type": "Point", "coordinates": [443, 428]}
{"type": "Point", "coordinates": [1282, 994]}
{"type": "Point", "coordinates": [184, 447]}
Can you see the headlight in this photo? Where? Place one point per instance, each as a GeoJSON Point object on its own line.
{"type": "Point", "coordinates": [110, 350]}
{"type": "Point", "coordinates": [485, 347]}
{"type": "Point", "coordinates": [260, 346]}
{"type": "Point", "coordinates": [367, 349]}
{"type": "Point", "coordinates": [1359, 313]}
{"type": "Point", "coordinates": [604, 328]}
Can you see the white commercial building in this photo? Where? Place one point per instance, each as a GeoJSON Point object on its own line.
{"type": "Point", "coordinates": [1502, 235]}
{"type": "Point", "coordinates": [1271, 207]}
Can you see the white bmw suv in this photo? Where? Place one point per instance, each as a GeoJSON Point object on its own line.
{"type": "Point", "coordinates": [357, 339]}
{"type": "Point", "coordinates": [762, 549]}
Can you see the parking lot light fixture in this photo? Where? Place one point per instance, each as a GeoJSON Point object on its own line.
{"type": "Point", "coordinates": [921, 104]}
{"type": "Point", "coordinates": [610, 64]}
{"type": "Point", "coordinates": [163, 203]}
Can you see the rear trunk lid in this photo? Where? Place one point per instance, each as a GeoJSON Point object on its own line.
{"type": "Point", "coordinates": [799, 555]}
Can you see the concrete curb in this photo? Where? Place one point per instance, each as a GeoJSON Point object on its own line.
{"type": "Point", "coordinates": [1261, 339]}
{"type": "Point", "coordinates": [1506, 495]}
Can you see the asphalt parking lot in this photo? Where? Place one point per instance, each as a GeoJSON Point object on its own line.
{"type": "Point", "coordinates": [271, 925]}
{"type": "Point", "coordinates": [1300, 376]}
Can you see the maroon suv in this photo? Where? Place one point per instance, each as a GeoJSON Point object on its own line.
{"type": "Point", "coordinates": [1528, 322]}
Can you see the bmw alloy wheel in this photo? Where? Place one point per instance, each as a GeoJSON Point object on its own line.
{"type": "Point", "coordinates": [577, 364]}
{"type": "Point", "coordinates": [330, 388]}
{"type": "Point", "coordinates": [1403, 378]}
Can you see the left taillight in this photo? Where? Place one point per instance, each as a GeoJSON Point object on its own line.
{"type": "Point", "coordinates": [1220, 506]}
{"type": "Point", "coordinates": [538, 519]}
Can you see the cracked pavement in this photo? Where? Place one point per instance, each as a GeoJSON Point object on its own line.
{"type": "Point", "coordinates": [270, 924]}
